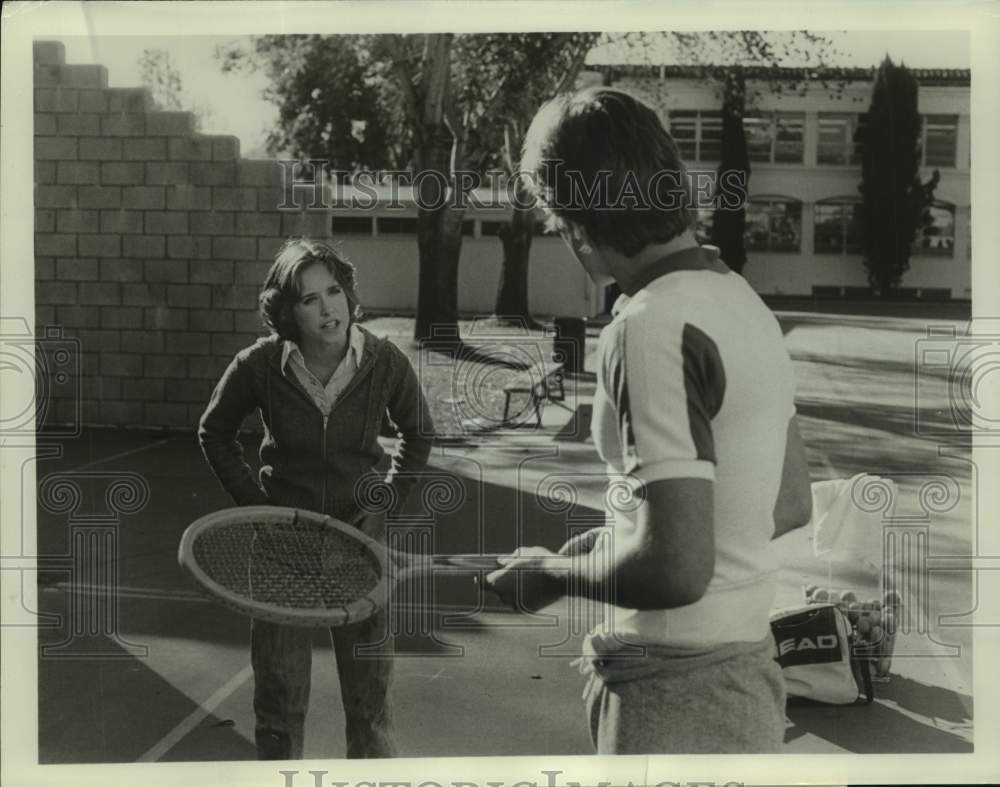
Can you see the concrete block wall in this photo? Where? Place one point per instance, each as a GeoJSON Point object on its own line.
{"type": "Point", "coordinates": [151, 242]}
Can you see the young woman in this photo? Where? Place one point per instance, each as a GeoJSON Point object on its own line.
{"type": "Point", "coordinates": [324, 387]}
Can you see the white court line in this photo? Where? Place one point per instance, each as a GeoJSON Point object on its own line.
{"type": "Point", "coordinates": [121, 455]}
{"type": "Point", "coordinates": [196, 597]}
{"type": "Point", "coordinates": [197, 716]}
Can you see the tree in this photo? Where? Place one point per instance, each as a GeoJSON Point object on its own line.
{"type": "Point", "coordinates": [159, 75]}
{"type": "Point", "coordinates": [478, 93]}
{"type": "Point", "coordinates": [329, 106]}
{"type": "Point", "coordinates": [895, 204]}
{"type": "Point", "coordinates": [448, 103]}
{"type": "Point", "coordinates": [535, 68]}
{"type": "Point", "coordinates": [729, 221]}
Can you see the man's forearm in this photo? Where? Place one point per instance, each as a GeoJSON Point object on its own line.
{"type": "Point", "coordinates": [621, 572]}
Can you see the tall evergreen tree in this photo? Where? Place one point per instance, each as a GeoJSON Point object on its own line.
{"type": "Point", "coordinates": [728, 220]}
{"type": "Point", "coordinates": [895, 204]}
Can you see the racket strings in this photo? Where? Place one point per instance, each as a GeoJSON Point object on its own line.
{"type": "Point", "coordinates": [300, 565]}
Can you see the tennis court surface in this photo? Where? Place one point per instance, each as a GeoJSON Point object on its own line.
{"type": "Point", "coordinates": [174, 682]}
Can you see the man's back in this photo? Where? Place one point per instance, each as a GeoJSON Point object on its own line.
{"type": "Point", "coordinates": [695, 382]}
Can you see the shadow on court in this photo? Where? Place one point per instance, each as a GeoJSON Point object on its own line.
{"type": "Point", "coordinates": [115, 708]}
{"type": "Point", "coordinates": [881, 728]}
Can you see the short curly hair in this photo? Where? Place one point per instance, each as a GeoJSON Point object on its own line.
{"type": "Point", "coordinates": [283, 285]}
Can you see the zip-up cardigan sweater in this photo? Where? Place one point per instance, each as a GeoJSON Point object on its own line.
{"type": "Point", "coordinates": [308, 461]}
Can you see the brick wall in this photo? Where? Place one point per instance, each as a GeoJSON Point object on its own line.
{"type": "Point", "coordinates": [151, 242]}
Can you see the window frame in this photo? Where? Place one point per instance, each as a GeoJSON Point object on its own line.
{"type": "Point", "coordinates": [699, 116]}
{"type": "Point", "coordinates": [773, 122]}
{"type": "Point", "coordinates": [852, 147]}
{"type": "Point", "coordinates": [845, 223]}
{"type": "Point", "coordinates": [924, 127]}
{"type": "Point", "coordinates": [771, 199]}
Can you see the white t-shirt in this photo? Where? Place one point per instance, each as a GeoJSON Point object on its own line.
{"type": "Point", "coordinates": [695, 382]}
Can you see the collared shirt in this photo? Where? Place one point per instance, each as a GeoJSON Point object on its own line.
{"type": "Point", "coordinates": [293, 362]}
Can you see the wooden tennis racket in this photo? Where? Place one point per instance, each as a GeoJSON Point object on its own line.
{"type": "Point", "coordinates": [300, 568]}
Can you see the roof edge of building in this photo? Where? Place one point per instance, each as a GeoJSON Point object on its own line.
{"type": "Point", "coordinates": [959, 77]}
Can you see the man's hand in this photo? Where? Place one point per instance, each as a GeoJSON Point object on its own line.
{"type": "Point", "coordinates": [530, 579]}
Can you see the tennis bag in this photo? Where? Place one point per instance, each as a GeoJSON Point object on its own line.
{"type": "Point", "coordinates": [816, 651]}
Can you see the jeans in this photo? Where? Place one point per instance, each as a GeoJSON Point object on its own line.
{"type": "Point", "coordinates": [282, 663]}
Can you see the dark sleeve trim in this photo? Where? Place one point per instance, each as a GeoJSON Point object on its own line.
{"type": "Point", "coordinates": [704, 387]}
{"type": "Point", "coordinates": [623, 405]}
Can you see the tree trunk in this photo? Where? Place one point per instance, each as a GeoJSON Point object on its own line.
{"type": "Point", "coordinates": [439, 227]}
{"type": "Point", "coordinates": [439, 240]}
{"type": "Point", "coordinates": [512, 293]}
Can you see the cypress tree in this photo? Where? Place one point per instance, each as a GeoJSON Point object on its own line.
{"type": "Point", "coordinates": [894, 202]}
{"type": "Point", "coordinates": [729, 221]}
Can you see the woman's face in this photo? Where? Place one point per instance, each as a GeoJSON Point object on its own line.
{"type": "Point", "coordinates": [322, 312]}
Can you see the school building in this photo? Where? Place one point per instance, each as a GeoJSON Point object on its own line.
{"type": "Point", "coordinates": [806, 168]}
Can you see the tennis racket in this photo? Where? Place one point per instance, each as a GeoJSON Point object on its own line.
{"type": "Point", "coordinates": [300, 568]}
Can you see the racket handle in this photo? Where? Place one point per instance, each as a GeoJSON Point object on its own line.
{"type": "Point", "coordinates": [468, 560]}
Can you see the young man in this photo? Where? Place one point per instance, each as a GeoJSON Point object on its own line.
{"type": "Point", "coordinates": [694, 408]}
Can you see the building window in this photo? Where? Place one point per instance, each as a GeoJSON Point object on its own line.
{"type": "Point", "coordinates": [775, 138]}
{"type": "Point", "coordinates": [939, 140]}
{"type": "Point", "coordinates": [698, 134]}
{"type": "Point", "coordinates": [836, 226]}
{"type": "Point", "coordinates": [773, 224]}
{"type": "Point", "coordinates": [938, 237]}
{"type": "Point", "coordinates": [840, 139]}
